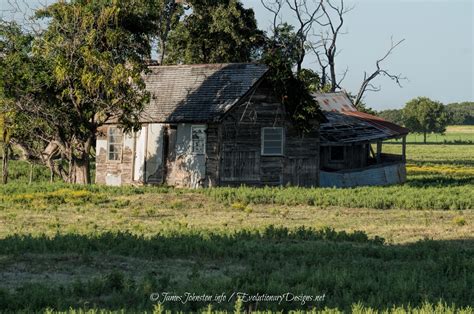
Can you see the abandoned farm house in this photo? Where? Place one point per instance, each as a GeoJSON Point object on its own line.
{"type": "Point", "coordinates": [348, 138]}
{"type": "Point", "coordinates": [220, 124]}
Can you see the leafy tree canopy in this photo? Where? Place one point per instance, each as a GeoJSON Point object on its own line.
{"type": "Point", "coordinates": [392, 115]}
{"type": "Point", "coordinates": [216, 31]}
{"type": "Point", "coordinates": [293, 89]}
{"type": "Point", "coordinates": [92, 59]}
{"type": "Point", "coordinates": [19, 76]}
{"type": "Point", "coordinates": [423, 115]}
{"type": "Point", "coordinates": [461, 113]}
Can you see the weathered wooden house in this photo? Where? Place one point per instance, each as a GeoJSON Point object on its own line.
{"type": "Point", "coordinates": [351, 146]}
{"type": "Point", "coordinates": [220, 124]}
{"type": "Point", "coordinates": [209, 125]}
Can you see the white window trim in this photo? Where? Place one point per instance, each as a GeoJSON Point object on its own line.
{"type": "Point", "coordinates": [262, 152]}
{"type": "Point", "coordinates": [198, 126]}
{"type": "Point", "coordinates": [108, 145]}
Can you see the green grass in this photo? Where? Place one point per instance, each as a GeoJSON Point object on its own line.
{"type": "Point", "coordinates": [397, 249]}
{"type": "Point", "coordinates": [357, 308]}
{"type": "Point", "coordinates": [455, 134]}
{"type": "Point", "coordinates": [347, 267]}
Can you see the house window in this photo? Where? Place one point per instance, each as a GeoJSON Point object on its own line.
{"type": "Point", "coordinates": [198, 139]}
{"type": "Point", "coordinates": [337, 153]}
{"type": "Point", "coordinates": [114, 143]}
{"type": "Point", "coordinates": [272, 141]}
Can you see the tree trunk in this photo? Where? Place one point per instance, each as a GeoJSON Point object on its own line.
{"type": "Point", "coordinates": [332, 72]}
{"type": "Point", "coordinates": [424, 137]}
{"type": "Point", "coordinates": [79, 171]}
{"type": "Point", "coordinates": [31, 173]}
{"type": "Point", "coordinates": [5, 157]}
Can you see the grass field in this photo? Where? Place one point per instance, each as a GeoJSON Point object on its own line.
{"type": "Point", "coordinates": [401, 248]}
{"type": "Point", "coordinates": [455, 134]}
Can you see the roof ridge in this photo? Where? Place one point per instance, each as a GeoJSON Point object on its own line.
{"type": "Point", "coordinates": [205, 65]}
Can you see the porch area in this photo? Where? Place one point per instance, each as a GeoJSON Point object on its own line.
{"type": "Point", "coordinates": [386, 173]}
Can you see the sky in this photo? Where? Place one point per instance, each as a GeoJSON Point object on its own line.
{"type": "Point", "coordinates": [436, 56]}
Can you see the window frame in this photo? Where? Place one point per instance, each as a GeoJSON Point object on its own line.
{"type": "Point", "coordinates": [199, 126]}
{"type": "Point", "coordinates": [119, 144]}
{"type": "Point", "coordinates": [262, 144]}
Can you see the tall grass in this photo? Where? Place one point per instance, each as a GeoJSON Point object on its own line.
{"type": "Point", "coordinates": [357, 308]}
{"type": "Point", "coordinates": [393, 197]}
{"type": "Point", "coordinates": [347, 267]}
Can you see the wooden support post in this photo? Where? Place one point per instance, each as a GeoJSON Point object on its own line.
{"type": "Point", "coordinates": [404, 149]}
{"type": "Point", "coordinates": [379, 152]}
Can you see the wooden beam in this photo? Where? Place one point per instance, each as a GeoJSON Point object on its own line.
{"type": "Point", "coordinates": [404, 149]}
{"type": "Point", "coordinates": [379, 152]}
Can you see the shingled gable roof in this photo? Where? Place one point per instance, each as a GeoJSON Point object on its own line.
{"type": "Point", "coordinates": [197, 93]}
{"type": "Point", "coordinates": [346, 125]}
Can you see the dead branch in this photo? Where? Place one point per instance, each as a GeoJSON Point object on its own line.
{"type": "Point", "coordinates": [306, 16]}
{"type": "Point", "coordinates": [332, 19]}
{"type": "Point", "coordinates": [366, 83]}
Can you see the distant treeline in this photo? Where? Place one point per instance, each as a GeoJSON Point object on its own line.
{"type": "Point", "coordinates": [459, 114]}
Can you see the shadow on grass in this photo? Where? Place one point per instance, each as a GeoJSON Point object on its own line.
{"type": "Point", "coordinates": [346, 267]}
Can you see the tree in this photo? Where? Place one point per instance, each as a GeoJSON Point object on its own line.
{"type": "Point", "coordinates": [423, 115]}
{"type": "Point", "coordinates": [392, 115]}
{"type": "Point", "coordinates": [293, 89]}
{"type": "Point", "coordinates": [93, 55]}
{"type": "Point", "coordinates": [306, 14]}
{"type": "Point", "coordinates": [366, 83]}
{"type": "Point", "coordinates": [165, 15]}
{"type": "Point", "coordinates": [16, 72]}
{"type": "Point", "coordinates": [361, 106]}
{"type": "Point", "coordinates": [330, 16]}
{"type": "Point", "coordinates": [461, 113]}
{"type": "Point", "coordinates": [332, 19]}
{"type": "Point", "coordinates": [217, 31]}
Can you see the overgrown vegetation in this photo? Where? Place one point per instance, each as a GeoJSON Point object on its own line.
{"type": "Point", "coordinates": [97, 247]}
{"type": "Point", "coordinates": [346, 267]}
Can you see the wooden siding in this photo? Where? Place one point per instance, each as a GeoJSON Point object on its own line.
{"type": "Point", "coordinates": [233, 151]}
{"type": "Point", "coordinates": [355, 156]}
{"type": "Point", "coordinates": [239, 137]}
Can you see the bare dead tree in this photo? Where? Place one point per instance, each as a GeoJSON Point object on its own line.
{"type": "Point", "coordinates": [332, 20]}
{"type": "Point", "coordinates": [366, 83]}
{"type": "Point", "coordinates": [306, 15]}
{"type": "Point", "coordinates": [323, 64]}
{"type": "Point", "coordinates": [274, 7]}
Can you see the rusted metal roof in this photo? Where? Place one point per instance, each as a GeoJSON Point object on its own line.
{"type": "Point", "coordinates": [202, 92]}
{"type": "Point", "coordinates": [334, 102]}
{"type": "Point", "coordinates": [389, 128]}
{"type": "Point", "coordinates": [346, 125]}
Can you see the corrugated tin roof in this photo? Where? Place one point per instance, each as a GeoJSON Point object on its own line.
{"type": "Point", "coordinates": [335, 102]}
{"type": "Point", "coordinates": [347, 125]}
{"type": "Point", "coordinates": [197, 93]}
{"type": "Point", "coordinates": [389, 128]}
